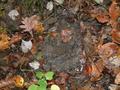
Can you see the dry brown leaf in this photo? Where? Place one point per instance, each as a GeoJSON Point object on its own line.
{"type": "Point", "coordinates": [39, 27]}
{"type": "Point", "coordinates": [107, 50]}
{"type": "Point", "coordinates": [100, 14]}
{"type": "Point", "coordinates": [117, 79]}
{"type": "Point", "coordinates": [94, 70]}
{"type": "Point", "coordinates": [114, 11]}
{"type": "Point", "coordinates": [115, 36]}
{"type": "Point", "coordinates": [4, 41]}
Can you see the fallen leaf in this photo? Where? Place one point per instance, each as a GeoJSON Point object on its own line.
{"type": "Point", "coordinates": [114, 10]}
{"type": "Point", "coordinates": [13, 13]}
{"type": "Point", "coordinates": [39, 28]}
{"type": "Point", "coordinates": [100, 14]}
{"type": "Point", "coordinates": [35, 65]}
{"type": "Point", "coordinates": [66, 35]}
{"type": "Point", "coordinates": [115, 36]}
{"type": "Point", "coordinates": [107, 50]}
{"type": "Point", "coordinates": [114, 87]}
{"type": "Point", "coordinates": [26, 46]}
{"type": "Point", "coordinates": [29, 23]}
{"type": "Point", "coordinates": [117, 79]}
{"type": "Point", "coordinates": [62, 78]}
{"type": "Point", "coordinates": [19, 81]}
{"type": "Point", "coordinates": [4, 41]}
{"type": "Point", "coordinates": [102, 18]}
{"type": "Point", "coordinates": [115, 60]}
{"type": "Point", "coordinates": [49, 6]}
{"type": "Point", "coordinates": [94, 70]}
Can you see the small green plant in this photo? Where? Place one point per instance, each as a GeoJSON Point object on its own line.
{"type": "Point", "coordinates": [42, 77]}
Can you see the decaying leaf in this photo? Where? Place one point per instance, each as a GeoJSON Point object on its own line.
{"type": "Point", "coordinates": [66, 35]}
{"type": "Point", "coordinates": [94, 70]}
{"type": "Point", "coordinates": [62, 78]}
{"type": "Point", "coordinates": [107, 50]}
{"type": "Point", "coordinates": [114, 13]}
{"type": "Point", "coordinates": [4, 41]}
{"type": "Point", "coordinates": [35, 65]}
{"type": "Point", "coordinates": [49, 5]}
{"type": "Point", "coordinates": [115, 36]}
{"type": "Point", "coordinates": [117, 79]}
{"type": "Point", "coordinates": [114, 10]}
{"type": "Point", "coordinates": [18, 80]}
{"type": "Point", "coordinates": [26, 46]}
{"type": "Point", "coordinates": [39, 27]}
{"type": "Point", "coordinates": [29, 23]}
{"type": "Point", "coordinates": [114, 87]}
{"type": "Point", "coordinates": [13, 14]}
{"type": "Point", "coordinates": [100, 14]}
{"type": "Point", "coordinates": [115, 60]}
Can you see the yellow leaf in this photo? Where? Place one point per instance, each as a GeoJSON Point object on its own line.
{"type": "Point", "coordinates": [4, 41]}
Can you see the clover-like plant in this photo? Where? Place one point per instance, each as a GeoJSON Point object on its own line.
{"type": "Point", "coordinates": [42, 77]}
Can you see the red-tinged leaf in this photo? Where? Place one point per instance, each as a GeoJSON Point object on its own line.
{"type": "Point", "coordinates": [102, 18]}
{"type": "Point", "coordinates": [53, 34]}
{"type": "Point", "coordinates": [116, 36]}
{"type": "Point", "coordinates": [66, 35]}
{"type": "Point", "coordinates": [100, 14]}
{"type": "Point", "coordinates": [62, 78]}
{"type": "Point", "coordinates": [107, 50]}
{"type": "Point", "coordinates": [94, 70]}
{"type": "Point", "coordinates": [114, 11]}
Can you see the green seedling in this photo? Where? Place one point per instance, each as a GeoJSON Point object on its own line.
{"type": "Point", "coordinates": [42, 80]}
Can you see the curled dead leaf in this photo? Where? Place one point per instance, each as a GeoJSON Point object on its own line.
{"type": "Point", "coordinates": [115, 36]}
{"type": "Point", "coordinates": [94, 70]}
{"type": "Point", "coordinates": [107, 50]}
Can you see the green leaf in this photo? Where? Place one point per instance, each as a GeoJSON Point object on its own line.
{"type": "Point", "coordinates": [42, 84]}
{"type": "Point", "coordinates": [49, 75]}
{"type": "Point", "coordinates": [33, 87]}
{"type": "Point", "coordinates": [39, 74]}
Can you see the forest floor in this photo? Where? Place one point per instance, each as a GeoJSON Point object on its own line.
{"type": "Point", "coordinates": [59, 45]}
